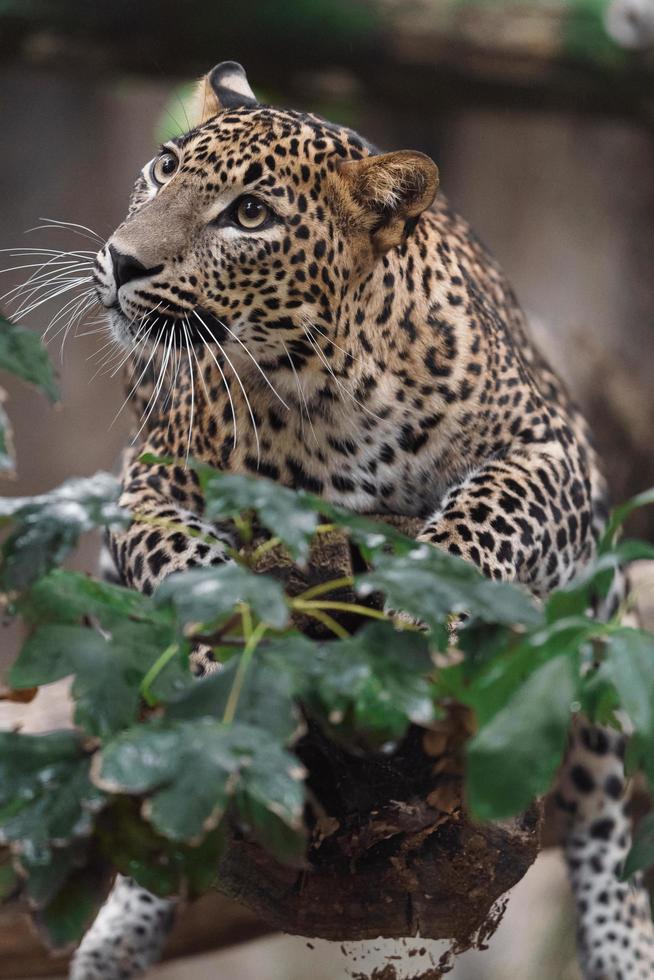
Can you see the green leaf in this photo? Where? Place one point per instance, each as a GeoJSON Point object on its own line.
{"type": "Point", "coordinates": [46, 797]}
{"type": "Point", "coordinates": [10, 883]}
{"type": "Point", "coordinates": [598, 697]}
{"type": "Point", "coordinates": [513, 758]}
{"type": "Point", "coordinates": [430, 585]}
{"type": "Point", "coordinates": [641, 855]}
{"type": "Point", "coordinates": [291, 515]}
{"type": "Point", "coordinates": [65, 919]}
{"type": "Point", "coordinates": [6, 440]}
{"type": "Point", "coordinates": [595, 579]}
{"type": "Point", "coordinates": [201, 597]}
{"type": "Point", "coordinates": [491, 686]}
{"type": "Point", "coordinates": [375, 683]}
{"type": "Point", "coordinates": [269, 802]}
{"type": "Point", "coordinates": [380, 676]}
{"type": "Point", "coordinates": [620, 515]}
{"type": "Point", "coordinates": [108, 669]}
{"type": "Point", "coordinates": [108, 666]}
{"type": "Point", "coordinates": [193, 768]}
{"type": "Point", "coordinates": [374, 538]}
{"type": "Point", "coordinates": [47, 527]}
{"type": "Point", "coordinates": [158, 864]}
{"type": "Point", "coordinates": [629, 665]}
{"type": "Point", "coordinates": [281, 510]}
{"type": "Point", "coordinates": [48, 872]}
{"type": "Point", "coordinates": [23, 354]}
{"type": "Point", "coordinates": [266, 698]}
{"type": "Point", "coordinates": [67, 597]}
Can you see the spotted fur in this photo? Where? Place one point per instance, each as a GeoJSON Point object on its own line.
{"type": "Point", "coordinates": [362, 344]}
{"type": "Point", "coordinates": [127, 936]}
{"type": "Point", "coordinates": [614, 927]}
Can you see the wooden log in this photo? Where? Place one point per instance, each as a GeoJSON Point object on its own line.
{"type": "Point", "coordinates": [407, 868]}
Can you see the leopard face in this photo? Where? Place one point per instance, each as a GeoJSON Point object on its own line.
{"type": "Point", "coordinates": [250, 227]}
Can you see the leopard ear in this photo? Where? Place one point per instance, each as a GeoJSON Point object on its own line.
{"type": "Point", "coordinates": [390, 192]}
{"type": "Point", "coordinates": [224, 87]}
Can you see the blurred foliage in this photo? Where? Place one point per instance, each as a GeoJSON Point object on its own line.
{"type": "Point", "coordinates": [396, 48]}
{"type": "Point", "coordinates": [23, 355]}
{"type": "Point", "coordinates": [161, 762]}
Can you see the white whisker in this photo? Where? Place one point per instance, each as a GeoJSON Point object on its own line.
{"type": "Point", "coordinates": [255, 362]}
{"type": "Point", "coordinates": [59, 291]}
{"type": "Point", "coordinates": [31, 287]}
{"type": "Point", "coordinates": [224, 379]}
{"type": "Point", "coordinates": [73, 226]}
{"type": "Point", "coordinates": [77, 314]}
{"type": "Point", "coordinates": [143, 372]}
{"type": "Point", "coordinates": [190, 368]}
{"type": "Point", "coordinates": [152, 401]}
{"type": "Point", "coordinates": [333, 342]}
{"type": "Point", "coordinates": [340, 385]}
{"type": "Point", "coordinates": [178, 361]}
{"type": "Point", "coordinates": [65, 309]}
{"type": "Point", "coordinates": [30, 250]}
{"type": "Point", "coordinates": [302, 395]}
{"type": "Point", "coordinates": [238, 380]}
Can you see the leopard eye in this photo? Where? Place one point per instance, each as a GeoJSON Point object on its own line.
{"type": "Point", "coordinates": [250, 213]}
{"type": "Point", "coordinates": [164, 166]}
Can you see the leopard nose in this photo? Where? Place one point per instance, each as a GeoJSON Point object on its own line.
{"type": "Point", "coordinates": [126, 267]}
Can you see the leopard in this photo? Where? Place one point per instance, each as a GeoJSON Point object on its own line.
{"type": "Point", "coordinates": [333, 325]}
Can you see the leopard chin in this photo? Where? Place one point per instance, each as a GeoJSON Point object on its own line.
{"type": "Point", "coordinates": [196, 327]}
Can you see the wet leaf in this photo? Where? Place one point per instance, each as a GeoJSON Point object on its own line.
{"type": "Point", "coordinates": [10, 882]}
{"type": "Point", "coordinates": [162, 866]}
{"type": "Point", "coordinates": [67, 597]}
{"type": "Point", "coordinates": [6, 440]}
{"type": "Point", "coordinates": [629, 665]}
{"type": "Point", "coordinates": [201, 597]}
{"type": "Point", "coordinates": [513, 758]}
{"type": "Point", "coordinates": [266, 698]}
{"type": "Point", "coordinates": [107, 668]}
{"type": "Point", "coordinates": [22, 353]}
{"type": "Point", "coordinates": [46, 527]}
{"type": "Point", "coordinates": [375, 683]}
{"type": "Point", "coordinates": [65, 919]}
{"type": "Point", "coordinates": [46, 797]}
{"type": "Point", "coordinates": [48, 872]}
{"type": "Point", "coordinates": [280, 510]}
{"type": "Point", "coordinates": [291, 515]}
{"type": "Point", "coordinates": [641, 855]}
{"type": "Point", "coordinates": [191, 770]}
{"type": "Point", "coordinates": [430, 585]}
{"type": "Point", "coordinates": [620, 515]}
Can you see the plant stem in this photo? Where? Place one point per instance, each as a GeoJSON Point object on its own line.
{"type": "Point", "coordinates": [325, 528]}
{"type": "Point", "coordinates": [335, 583]}
{"type": "Point", "coordinates": [253, 638]}
{"type": "Point", "coordinates": [351, 607]}
{"type": "Point", "coordinates": [154, 672]}
{"type": "Point", "coordinates": [244, 527]}
{"type": "Point", "coordinates": [263, 548]}
{"type": "Point", "coordinates": [329, 622]}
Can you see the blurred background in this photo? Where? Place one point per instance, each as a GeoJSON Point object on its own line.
{"type": "Point", "coordinates": [540, 116]}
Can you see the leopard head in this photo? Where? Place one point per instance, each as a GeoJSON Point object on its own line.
{"type": "Point", "coordinates": [255, 222]}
